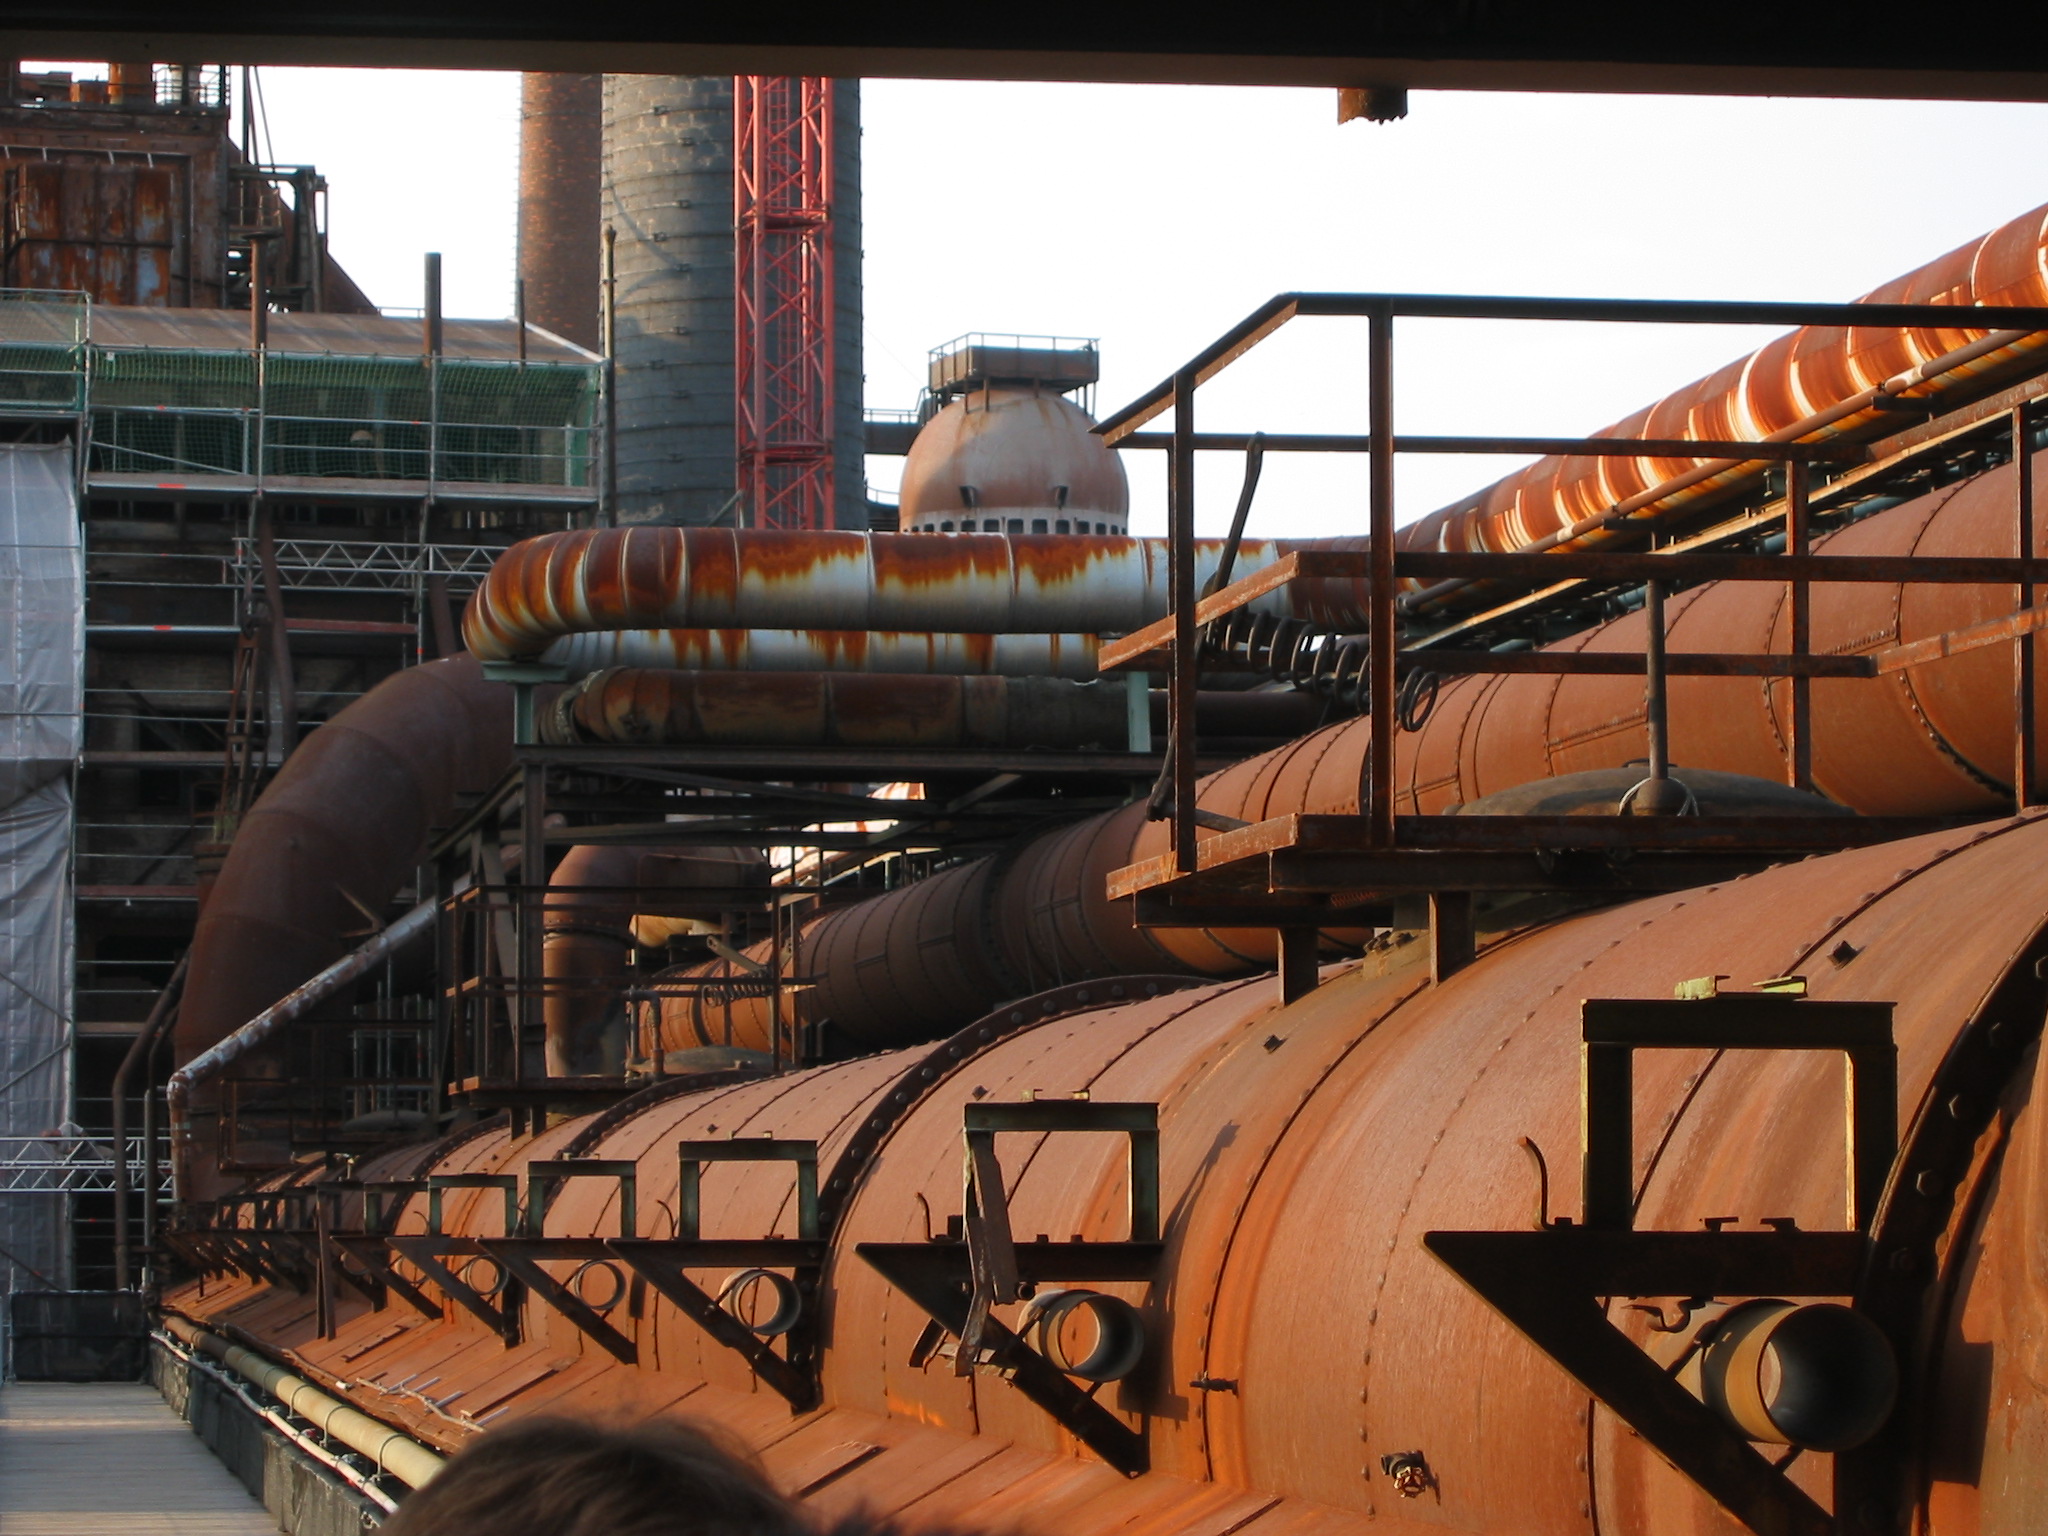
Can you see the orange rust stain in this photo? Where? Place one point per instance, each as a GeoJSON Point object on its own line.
{"type": "Point", "coordinates": [981, 651]}
{"type": "Point", "coordinates": [603, 590]}
{"type": "Point", "coordinates": [1053, 559]}
{"type": "Point", "coordinates": [770, 556]}
{"type": "Point", "coordinates": [713, 569]}
{"type": "Point", "coordinates": [917, 560]}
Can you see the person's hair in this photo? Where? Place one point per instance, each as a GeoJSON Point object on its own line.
{"type": "Point", "coordinates": [565, 1477]}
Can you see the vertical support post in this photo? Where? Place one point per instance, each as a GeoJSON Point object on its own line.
{"type": "Point", "coordinates": [323, 1264]}
{"type": "Point", "coordinates": [149, 1118]}
{"type": "Point", "coordinates": [533, 884]}
{"type": "Point", "coordinates": [259, 305]}
{"type": "Point", "coordinates": [2026, 768]}
{"type": "Point", "coordinates": [1180, 713]}
{"type": "Point", "coordinates": [1452, 939]}
{"type": "Point", "coordinates": [519, 314]}
{"type": "Point", "coordinates": [1138, 711]}
{"type": "Point", "coordinates": [430, 348]}
{"type": "Point", "coordinates": [608, 507]}
{"type": "Point", "coordinates": [775, 932]}
{"type": "Point", "coordinates": [783, 263]}
{"type": "Point", "coordinates": [1299, 963]}
{"type": "Point", "coordinates": [1800, 767]}
{"type": "Point", "coordinates": [430, 329]}
{"type": "Point", "coordinates": [448, 977]}
{"type": "Point", "coordinates": [1871, 1087]}
{"type": "Point", "coordinates": [1606, 1135]}
{"type": "Point", "coordinates": [285, 729]}
{"type": "Point", "coordinates": [1379, 786]}
{"type": "Point", "coordinates": [259, 357]}
{"type": "Point", "coordinates": [1656, 695]}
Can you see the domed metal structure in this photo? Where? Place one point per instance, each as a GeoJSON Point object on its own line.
{"type": "Point", "coordinates": [1008, 452]}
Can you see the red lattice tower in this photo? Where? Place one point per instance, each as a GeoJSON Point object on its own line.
{"type": "Point", "coordinates": [782, 338]}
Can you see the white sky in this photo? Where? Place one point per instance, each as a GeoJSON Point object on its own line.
{"type": "Point", "coordinates": [1155, 216]}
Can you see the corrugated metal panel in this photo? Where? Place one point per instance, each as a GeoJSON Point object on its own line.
{"type": "Point", "coordinates": [119, 325]}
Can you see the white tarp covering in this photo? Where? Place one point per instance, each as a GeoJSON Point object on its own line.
{"type": "Point", "coordinates": [42, 679]}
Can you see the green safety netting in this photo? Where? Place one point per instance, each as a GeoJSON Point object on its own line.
{"type": "Point", "coordinates": [42, 350]}
{"type": "Point", "coordinates": [186, 411]}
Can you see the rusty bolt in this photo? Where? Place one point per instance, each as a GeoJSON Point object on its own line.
{"type": "Point", "coordinates": [1410, 1472]}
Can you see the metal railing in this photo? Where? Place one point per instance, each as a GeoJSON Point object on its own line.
{"type": "Point", "coordinates": [1389, 652]}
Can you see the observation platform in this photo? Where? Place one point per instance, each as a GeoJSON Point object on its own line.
{"type": "Point", "coordinates": [88, 1460]}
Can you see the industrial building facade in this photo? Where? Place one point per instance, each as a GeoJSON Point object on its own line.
{"type": "Point", "coordinates": [259, 536]}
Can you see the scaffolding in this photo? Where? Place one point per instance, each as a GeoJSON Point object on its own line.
{"type": "Point", "coordinates": [410, 425]}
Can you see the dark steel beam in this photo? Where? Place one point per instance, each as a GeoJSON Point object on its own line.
{"type": "Point", "coordinates": [1538, 45]}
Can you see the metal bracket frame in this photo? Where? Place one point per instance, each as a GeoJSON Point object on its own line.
{"type": "Point", "coordinates": [523, 1251]}
{"type": "Point", "coordinates": [1551, 1284]}
{"type": "Point", "coordinates": [793, 1374]}
{"type": "Point", "coordinates": [957, 1283]}
{"type": "Point", "coordinates": [428, 1253]}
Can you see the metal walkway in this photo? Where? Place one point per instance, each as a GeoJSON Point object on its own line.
{"type": "Point", "coordinates": [112, 1460]}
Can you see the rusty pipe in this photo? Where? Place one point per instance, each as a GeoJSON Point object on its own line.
{"type": "Point", "coordinates": [1933, 738]}
{"type": "Point", "coordinates": [265, 1026]}
{"type": "Point", "coordinates": [161, 1012]}
{"type": "Point", "coordinates": [336, 834]}
{"type": "Point", "coordinates": [717, 578]}
{"type": "Point", "coordinates": [909, 652]}
{"type": "Point", "coordinates": [1651, 505]}
{"type": "Point", "coordinates": [587, 938]}
{"type": "Point", "coordinates": [638, 705]}
{"type": "Point", "coordinates": [1816, 381]}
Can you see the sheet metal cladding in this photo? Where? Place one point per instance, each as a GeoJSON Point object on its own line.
{"type": "Point", "coordinates": [1304, 1150]}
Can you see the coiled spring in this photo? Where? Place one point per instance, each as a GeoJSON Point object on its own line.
{"type": "Point", "coordinates": [1336, 668]}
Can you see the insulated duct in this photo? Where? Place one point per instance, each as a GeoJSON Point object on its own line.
{"type": "Point", "coordinates": [625, 705]}
{"type": "Point", "coordinates": [919, 652]}
{"type": "Point", "coordinates": [588, 936]}
{"type": "Point", "coordinates": [702, 578]}
{"type": "Point", "coordinates": [335, 835]}
{"type": "Point", "coordinates": [1931, 739]}
{"type": "Point", "coordinates": [1309, 1364]}
{"type": "Point", "coordinates": [1815, 382]}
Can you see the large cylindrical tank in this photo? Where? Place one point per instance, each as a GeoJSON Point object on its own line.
{"type": "Point", "coordinates": [561, 144]}
{"type": "Point", "coordinates": [1298, 1333]}
{"type": "Point", "coordinates": [668, 198]}
{"type": "Point", "coordinates": [1013, 460]}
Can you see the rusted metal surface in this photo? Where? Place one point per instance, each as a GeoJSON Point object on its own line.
{"type": "Point", "coordinates": [587, 939]}
{"type": "Point", "coordinates": [645, 705]}
{"type": "Point", "coordinates": [824, 709]}
{"type": "Point", "coordinates": [336, 833]}
{"type": "Point", "coordinates": [561, 145]}
{"type": "Point", "coordinates": [1298, 1331]}
{"type": "Point", "coordinates": [708, 578]}
{"type": "Point", "coordinates": [911, 653]}
{"type": "Point", "coordinates": [999, 454]}
{"type": "Point", "coordinates": [925, 959]}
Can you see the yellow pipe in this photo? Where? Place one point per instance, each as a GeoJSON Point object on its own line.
{"type": "Point", "coordinates": [395, 1452]}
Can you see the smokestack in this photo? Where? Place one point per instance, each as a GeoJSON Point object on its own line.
{"type": "Point", "coordinates": [561, 141]}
